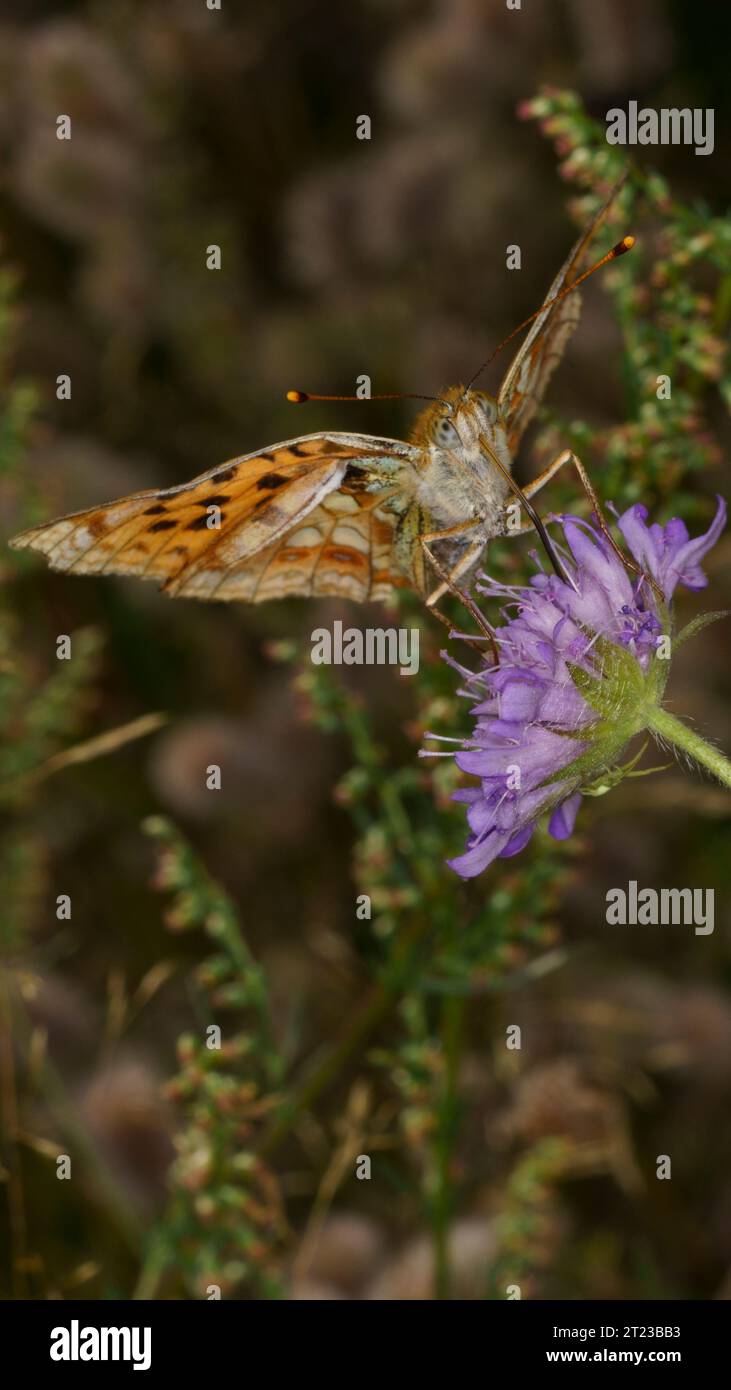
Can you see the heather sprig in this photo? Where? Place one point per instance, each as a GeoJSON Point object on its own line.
{"type": "Point", "coordinates": [224, 1225]}
{"type": "Point", "coordinates": [673, 302]}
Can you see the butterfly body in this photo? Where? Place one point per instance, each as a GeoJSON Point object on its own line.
{"type": "Point", "coordinates": [333, 513]}
{"type": "Point", "coordinates": [458, 478]}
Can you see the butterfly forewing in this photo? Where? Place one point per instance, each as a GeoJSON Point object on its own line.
{"type": "Point", "coordinates": [528, 375]}
{"type": "Point", "coordinates": [294, 518]}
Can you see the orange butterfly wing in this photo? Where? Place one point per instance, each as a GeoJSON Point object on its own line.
{"type": "Point", "coordinates": [528, 375]}
{"type": "Point", "coordinates": [271, 523]}
{"type": "Point", "coordinates": [344, 546]}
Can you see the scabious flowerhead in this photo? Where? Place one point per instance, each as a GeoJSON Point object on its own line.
{"type": "Point", "coordinates": [583, 661]}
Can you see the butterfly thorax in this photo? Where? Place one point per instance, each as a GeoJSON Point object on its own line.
{"type": "Point", "coordinates": [458, 479]}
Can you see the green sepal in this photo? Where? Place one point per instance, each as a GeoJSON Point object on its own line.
{"type": "Point", "coordinates": [697, 625]}
{"type": "Point", "coordinates": [619, 682]}
{"type": "Point", "coordinates": [602, 753]}
{"type": "Point", "coordinates": [612, 776]}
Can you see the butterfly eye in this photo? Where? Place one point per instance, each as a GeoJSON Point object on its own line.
{"type": "Point", "coordinates": [444, 433]}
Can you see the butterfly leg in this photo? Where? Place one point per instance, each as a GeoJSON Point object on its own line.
{"type": "Point", "coordinates": [451, 576]}
{"type": "Point", "coordinates": [467, 559]}
{"type": "Point", "coordinates": [567, 456]}
{"type": "Point", "coordinates": [535, 486]}
{"type": "Point", "coordinates": [448, 581]}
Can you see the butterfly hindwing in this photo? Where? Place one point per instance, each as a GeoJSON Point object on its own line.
{"type": "Point", "coordinates": [194, 539]}
{"type": "Point", "coordinates": [343, 547]}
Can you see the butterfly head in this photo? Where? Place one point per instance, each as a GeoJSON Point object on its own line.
{"type": "Point", "coordinates": [456, 420]}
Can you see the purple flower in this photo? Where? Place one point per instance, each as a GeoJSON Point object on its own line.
{"type": "Point", "coordinates": [582, 661]}
{"type": "Point", "coordinates": [667, 552]}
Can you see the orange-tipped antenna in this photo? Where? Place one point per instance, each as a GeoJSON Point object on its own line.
{"type": "Point", "coordinates": [299, 397]}
{"type": "Point", "coordinates": [620, 249]}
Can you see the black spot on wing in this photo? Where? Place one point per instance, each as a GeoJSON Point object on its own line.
{"type": "Point", "coordinates": [223, 475]}
{"type": "Point", "coordinates": [354, 478]}
{"type": "Point", "coordinates": [163, 526]}
{"type": "Point", "coordinates": [216, 500]}
{"type": "Point", "coordinates": [270, 481]}
{"type": "Point", "coordinates": [155, 510]}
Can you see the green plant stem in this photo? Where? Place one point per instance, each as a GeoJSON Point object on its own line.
{"type": "Point", "coordinates": [107, 1191]}
{"type": "Point", "coordinates": [154, 1265]}
{"type": "Point", "coordinates": [673, 731]}
{"type": "Point", "coordinates": [376, 1006]}
{"type": "Point", "coordinates": [451, 1030]}
{"type": "Point", "coordinates": [14, 1181]}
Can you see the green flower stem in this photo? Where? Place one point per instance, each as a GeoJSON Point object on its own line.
{"type": "Point", "coordinates": [452, 1028]}
{"type": "Point", "coordinates": [673, 731]}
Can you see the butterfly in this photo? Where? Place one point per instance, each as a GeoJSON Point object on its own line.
{"type": "Point", "coordinates": [332, 513]}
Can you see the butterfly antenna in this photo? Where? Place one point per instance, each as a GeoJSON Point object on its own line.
{"type": "Point", "coordinates": [299, 397]}
{"type": "Point", "coordinates": [620, 249]}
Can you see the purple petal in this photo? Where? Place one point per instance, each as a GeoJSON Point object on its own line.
{"type": "Point", "coordinates": [685, 568]}
{"type": "Point", "coordinates": [518, 842]}
{"type": "Point", "coordinates": [488, 763]}
{"type": "Point", "coordinates": [666, 552]}
{"type": "Point", "coordinates": [467, 794]}
{"type": "Point", "coordinates": [604, 567]}
{"type": "Point", "coordinates": [641, 542]}
{"type": "Point", "coordinates": [520, 700]}
{"type": "Point", "coordinates": [481, 818]}
{"type": "Point", "coordinates": [477, 858]}
{"type": "Point", "coordinates": [563, 820]}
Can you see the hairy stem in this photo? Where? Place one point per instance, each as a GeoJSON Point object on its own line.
{"type": "Point", "coordinates": [673, 731]}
